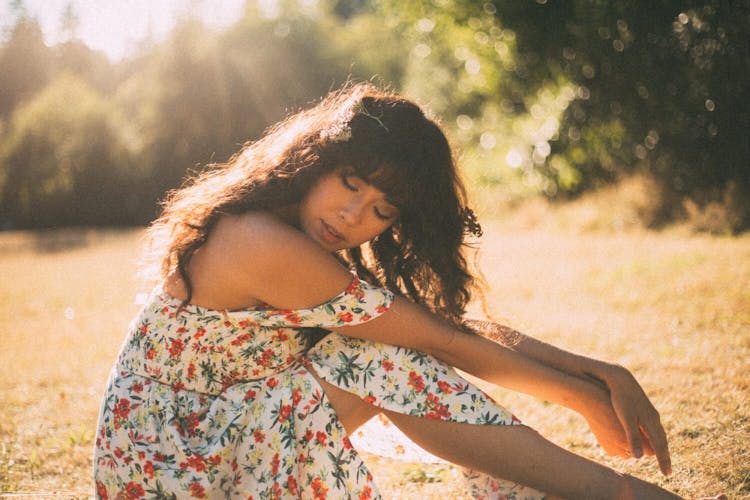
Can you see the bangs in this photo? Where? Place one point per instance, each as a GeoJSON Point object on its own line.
{"type": "Point", "coordinates": [391, 180]}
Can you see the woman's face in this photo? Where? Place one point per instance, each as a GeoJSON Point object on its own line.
{"type": "Point", "coordinates": [343, 210]}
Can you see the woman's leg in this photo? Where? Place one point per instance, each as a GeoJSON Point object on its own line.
{"type": "Point", "coordinates": [515, 453]}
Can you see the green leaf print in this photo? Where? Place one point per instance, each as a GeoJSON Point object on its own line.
{"type": "Point", "coordinates": [160, 494]}
{"type": "Point", "coordinates": [340, 472]}
{"type": "Point", "coordinates": [348, 371]}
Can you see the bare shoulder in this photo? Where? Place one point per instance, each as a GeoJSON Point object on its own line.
{"type": "Point", "coordinates": [267, 259]}
{"type": "Point", "coordinates": [255, 239]}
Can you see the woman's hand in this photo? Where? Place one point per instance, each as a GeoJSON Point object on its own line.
{"type": "Point", "coordinates": [604, 423]}
{"type": "Point", "coordinates": [636, 416]}
{"type": "Point", "coordinates": [624, 422]}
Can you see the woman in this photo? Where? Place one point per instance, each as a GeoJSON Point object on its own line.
{"type": "Point", "coordinates": [260, 351]}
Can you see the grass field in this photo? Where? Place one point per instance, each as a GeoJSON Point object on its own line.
{"type": "Point", "coordinates": [674, 308]}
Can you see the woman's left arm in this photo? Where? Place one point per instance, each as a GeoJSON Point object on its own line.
{"type": "Point", "coordinates": [639, 419]}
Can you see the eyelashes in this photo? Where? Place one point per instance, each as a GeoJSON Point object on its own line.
{"type": "Point", "coordinates": [346, 180]}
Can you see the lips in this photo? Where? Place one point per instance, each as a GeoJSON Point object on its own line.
{"type": "Point", "coordinates": [330, 234]}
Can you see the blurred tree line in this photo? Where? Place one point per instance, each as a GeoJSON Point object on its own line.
{"type": "Point", "coordinates": [551, 98]}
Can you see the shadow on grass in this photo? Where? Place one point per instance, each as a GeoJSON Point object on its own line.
{"type": "Point", "coordinates": [54, 240]}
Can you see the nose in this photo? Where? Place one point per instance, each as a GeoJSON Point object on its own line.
{"type": "Point", "coordinates": [351, 212]}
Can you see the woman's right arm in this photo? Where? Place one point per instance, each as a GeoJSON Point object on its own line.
{"type": "Point", "coordinates": [281, 266]}
{"type": "Point", "coordinates": [638, 418]}
{"type": "Point", "coordinates": [273, 262]}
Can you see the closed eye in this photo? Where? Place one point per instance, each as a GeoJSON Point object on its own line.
{"type": "Point", "coordinates": [345, 179]}
{"type": "Point", "coordinates": [384, 216]}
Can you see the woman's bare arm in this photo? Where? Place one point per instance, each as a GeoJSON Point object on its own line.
{"type": "Point", "coordinates": [277, 264]}
{"type": "Point", "coordinates": [262, 258]}
{"type": "Point", "coordinates": [636, 414]}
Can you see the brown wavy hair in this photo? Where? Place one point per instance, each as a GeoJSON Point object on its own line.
{"type": "Point", "coordinates": [389, 141]}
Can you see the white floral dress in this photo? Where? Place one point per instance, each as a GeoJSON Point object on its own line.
{"type": "Point", "coordinates": [213, 404]}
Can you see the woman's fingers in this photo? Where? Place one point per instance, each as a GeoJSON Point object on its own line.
{"type": "Point", "coordinates": [657, 439]}
{"type": "Point", "coordinates": [629, 421]}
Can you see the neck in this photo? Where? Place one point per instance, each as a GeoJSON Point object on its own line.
{"type": "Point", "coordinates": [289, 214]}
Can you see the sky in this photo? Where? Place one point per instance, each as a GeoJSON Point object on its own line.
{"type": "Point", "coordinates": [116, 26]}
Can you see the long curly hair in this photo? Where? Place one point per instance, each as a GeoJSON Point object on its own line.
{"type": "Point", "coordinates": [389, 141]}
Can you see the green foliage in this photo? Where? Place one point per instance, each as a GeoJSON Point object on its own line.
{"type": "Point", "coordinates": [661, 89]}
{"type": "Point", "coordinates": [542, 97]}
{"type": "Point", "coordinates": [25, 63]}
{"type": "Point", "coordinates": [63, 161]}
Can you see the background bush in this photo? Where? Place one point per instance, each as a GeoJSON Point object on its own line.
{"type": "Point", "coordinates": [550, 98]}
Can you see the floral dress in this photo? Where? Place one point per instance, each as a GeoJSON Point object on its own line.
{"type": "Point", "coordinates": [213, 404]}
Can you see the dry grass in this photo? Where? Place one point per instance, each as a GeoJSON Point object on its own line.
{"type": "Point", "coordinates": [672, 307]}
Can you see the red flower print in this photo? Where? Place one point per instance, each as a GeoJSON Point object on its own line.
{"type": "Point", "coordinates": [346, 317]}
{"type": "Point", "coordinates": [181, 329]}
{"type": "Point", "coordinates": [370, 399]}
{"type": "Point", "coordinates": [196, 490]}
{"type": "Point", "coordinates": [275, 493]}
{"type": "Point", "coordinates": [280, 335]}
{"type": "Point", "coordinates": [272, 382]}
{"type": "Point", "coordinates": [191, 371]}
{"type": "Point", "coordinates": [438, 411]}
{"type": "Point", "coordinates": [387, 365]}
{"type": "Point", "coordinates": [101, 491]}
{"type": "Point", "coordinates": [319, 489]}
{"type": "Point", "coordinates": [284, 413]}
{"type": "Point", "coordinates": [309, 435]}
{"type": "Point", "coordinates": [192, 422]}
{"type": "Point", "coordinates": [266, 358]}
{"type": "Point", "coordinates": [275, 462]}
{"type": "Point", "coordinates": [137, 387]}
{"type": "Point", "coordinates": [197, 463]}
{"type": "Point", "coordinates": [259, 436]}
{"type": "Point", "coordinates": [159, 457]}
{"type": "Point", "coordinates": [416, 381]}
{"type": "Point", "coordinates": [366, 493]}
{"type": "Point", "coordinates": [292, 317]}
{"type": "Point", "coordinates": [321, 437]}
{"type": "Point", "coordinates": [148, 469]}
{"type": "Point", "coordinates": [241, 339]}
{"type": "Point", "coordinates": [354, 287]}
{"type": "Point", "coordinates": [176, 347]}
{"type": "Point", "coordinates": [214, 460]}
{"type": "Point", "coordinates": [249, 395]}
{"type": "Point", "coordinates": [347, 443]}
{"type": "Point", "coordinates": [381, 309]}
{"type": "Point", "coordinates": [291, 486]}
{"type": "Point", "coordinates": [133, 490]}
{"type": "Point", "coordinates": [200, 332]}
{"type": "Point", "coordinates": [302, 459]}
{"type": "Point", "coordinates": [296, 396]}
{"type": "Point", "coordinates": [444, 386]}
{"type": "Point", "coordinates": [122, 408]}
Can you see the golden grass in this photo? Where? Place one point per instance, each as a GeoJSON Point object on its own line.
{"type": "Point", "coordinates": [672, 307]}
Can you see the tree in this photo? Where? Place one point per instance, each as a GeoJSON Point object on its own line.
{"type": "Point", "coordinates": [661, 88]}
{"type": "Point", "coordinates": [26, 64]}
{"type": "Point", "coordinates": [65, 161]}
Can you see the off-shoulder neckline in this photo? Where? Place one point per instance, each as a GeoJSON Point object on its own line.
{"type": "Point", "coordinates": [203, 310]}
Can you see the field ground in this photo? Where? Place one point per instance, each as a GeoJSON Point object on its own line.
{"type": "Point", "coordinates": [674, 308]}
